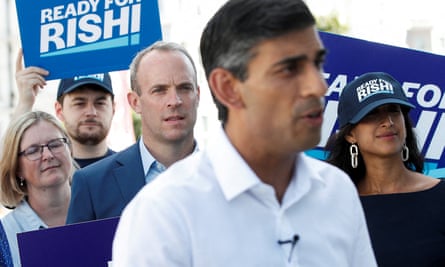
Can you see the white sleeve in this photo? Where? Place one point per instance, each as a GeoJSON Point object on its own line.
{"type": "Point", "coordinates": [151, 233]}
{"type": "Point", "coordinates": [363, 254]}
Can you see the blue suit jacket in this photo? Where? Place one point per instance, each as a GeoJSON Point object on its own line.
{"type": "Point", "coordinates": [103, 189]}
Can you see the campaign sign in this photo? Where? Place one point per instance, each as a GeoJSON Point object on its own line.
{"type": "Point", "coordinates": [421, 75]}
{"type": "Point", "coordinates": [74, 245]}
{"type": "Point", "coordinates": [71, 37]}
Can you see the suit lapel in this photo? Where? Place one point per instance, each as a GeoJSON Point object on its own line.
{"type": "Point", "coordinates": [129, 173]}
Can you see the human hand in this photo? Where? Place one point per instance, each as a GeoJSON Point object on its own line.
{"type": "Point", "coordinates": [29, 80]}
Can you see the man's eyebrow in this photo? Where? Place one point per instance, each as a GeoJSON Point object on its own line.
{"type": "Point", "coordinates": [295, 59]}
{"type": "Point", "coordinates": [186, 83]}
{"type": "Point", "coordinates": [290, 60]}
{"type": "Point", "coordinates": [79, 98]}
{"type": "Point", "coordinates": [101, 97]}
{"type": "Point", "coordinates": [322, 53]}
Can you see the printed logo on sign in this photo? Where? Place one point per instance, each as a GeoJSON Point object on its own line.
{"type": "Point", "coordinates": [89, 25]}
{"type": "Point", "coordinates": [373, 87]}
{"type": "Point", "coordinates": [99, 76]}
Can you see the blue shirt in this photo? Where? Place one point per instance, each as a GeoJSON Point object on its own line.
{"type": "Point", "coordinates": [152, 167]}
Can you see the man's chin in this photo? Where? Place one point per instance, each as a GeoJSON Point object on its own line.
{"type": "Point", "coordinates": [177, 135]}
{"type": "Point", "coordinates": [90, 140]}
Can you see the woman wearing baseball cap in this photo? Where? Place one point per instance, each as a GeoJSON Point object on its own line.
{"type": "Point", "coordinates": [377, 146]}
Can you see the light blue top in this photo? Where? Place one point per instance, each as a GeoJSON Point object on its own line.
{"type": "Point", "coordinates": [21, 219]}
{"type": "Point", "coordinates": [152, 167]}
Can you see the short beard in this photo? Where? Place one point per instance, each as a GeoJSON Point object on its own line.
{"type": "Point", "coordinates": [90, 139]}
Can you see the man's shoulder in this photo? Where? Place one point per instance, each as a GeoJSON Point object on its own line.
{"type": "Point", "coordinates": [191, 172]}
{"type": "Point", "coordinates": [127, 155]}
{"type": "Point", "coordinates": [320, 164]}
{"type": "Point", "coordinates": [325, 171]}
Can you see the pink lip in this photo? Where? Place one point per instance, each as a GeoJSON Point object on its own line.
{"type": "Point", "coordinates": [314, 117]}
{"type": "Point", "coordinates": [386, 135]}
{"type": "Point", "coordinates": [49, 168]}
{"type": "Point", "coordinates": [174, 118]}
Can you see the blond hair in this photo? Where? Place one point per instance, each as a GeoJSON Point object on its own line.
{"type": "Point", "coordinates": [11, 193]}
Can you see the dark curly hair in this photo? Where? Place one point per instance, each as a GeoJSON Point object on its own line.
{"type": "Point", "coordinates": [337, 149]}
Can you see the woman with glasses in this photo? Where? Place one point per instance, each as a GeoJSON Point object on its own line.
{"type": "Point", "coordinates": [36, 166]}
{"type": "Point", "coordinates": [377, 146]}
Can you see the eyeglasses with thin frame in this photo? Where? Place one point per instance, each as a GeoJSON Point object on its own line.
{"type": "Point", "coordinates": [34, 152]}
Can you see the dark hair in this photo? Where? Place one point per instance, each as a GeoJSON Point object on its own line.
{"type": "Point", "coordinates": [338, 151]}
{"type": "Point", "coordinates": [232, 34]}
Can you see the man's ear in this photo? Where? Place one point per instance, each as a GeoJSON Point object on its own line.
{"type": "Point", "coordinates": [226, 88]}
{"type": "Point", "coordinates": [113, 106]}
{"type": "Point", "coordinates": [59, 111]}
{"type": "Point", "coordinates": [133, 101]}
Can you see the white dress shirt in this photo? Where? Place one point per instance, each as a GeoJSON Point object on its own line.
{"type": "Point", "coordinates": [210, 209]}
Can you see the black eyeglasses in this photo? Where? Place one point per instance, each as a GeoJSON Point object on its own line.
{"type": "Point", "coordinates": [34, 152]}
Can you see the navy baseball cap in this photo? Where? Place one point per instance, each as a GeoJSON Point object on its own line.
{"type": "Point", "coordinates": [100, 79]}
{"type": "Point", "coordinates": [366, 93]}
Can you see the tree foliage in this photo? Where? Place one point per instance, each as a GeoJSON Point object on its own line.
{"type": "Point", "coordinates": [330, 23]}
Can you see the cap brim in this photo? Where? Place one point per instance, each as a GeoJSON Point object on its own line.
{"type": "Point", "coordinates": [362, 113]}
{"type": "Point", "coordinates": [89, 81]}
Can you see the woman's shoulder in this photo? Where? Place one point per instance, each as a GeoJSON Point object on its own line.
{"type": "Point", "coordinates": [428, 183]}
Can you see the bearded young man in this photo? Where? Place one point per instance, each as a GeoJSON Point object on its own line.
{"type": "Point", "coordinates": [85, 104]}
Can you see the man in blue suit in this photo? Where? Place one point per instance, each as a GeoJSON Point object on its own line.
{"type": "Point", "coordinates": [166, 95]}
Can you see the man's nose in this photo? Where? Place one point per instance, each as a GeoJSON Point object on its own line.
{"type": "Point", "coordinates": [174, 99]}
{"type": "Point", "coordinates": [316, 84]}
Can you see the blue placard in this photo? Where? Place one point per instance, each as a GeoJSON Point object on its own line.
{"type": "Point", "coordinates": [421, 74]}
{"type": "Point", "coordinates": [70, 37]}
{"type": "Point", "coordinates": [74, 245]}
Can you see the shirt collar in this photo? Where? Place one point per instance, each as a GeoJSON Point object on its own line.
{"type": "Point", "coordinates": [305, 177]}
{"type": "Point", "coordinates": [28, 217]}
{"type": "Point", "coordinates": [148, 159]}
{"type": "Point", "coordinates": [232, 172]}
{"type": "Point", "coordinates": [235, 176]}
